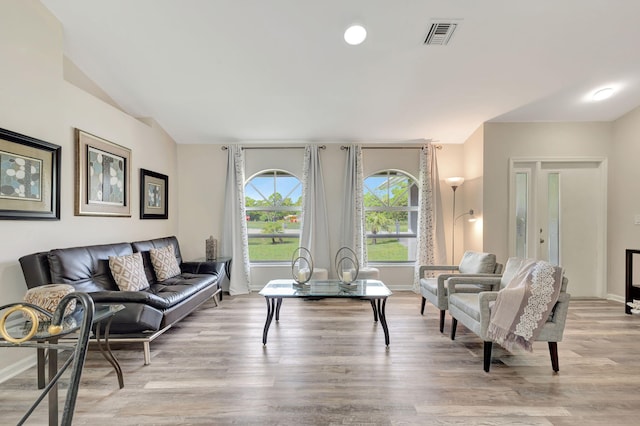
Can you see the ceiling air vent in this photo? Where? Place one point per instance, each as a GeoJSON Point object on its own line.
{"type": "Point", "coordinates": [440, 33]}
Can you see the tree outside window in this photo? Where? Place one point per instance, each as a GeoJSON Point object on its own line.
{"type": "Point", "coordinates": [273, 202]}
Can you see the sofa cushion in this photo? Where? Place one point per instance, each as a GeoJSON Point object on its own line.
{"type": "Point", "coordinates": [86, 268]}
{"type": "Point", "coordinates": [164, 262]}
{"type": "Point", "coordinates": [146, 245]}
{"type": "Point", "coordinates": [128, 272]}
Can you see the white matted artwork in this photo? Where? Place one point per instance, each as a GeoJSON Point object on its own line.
{"type": "Point", "coordinates": [102, 177]}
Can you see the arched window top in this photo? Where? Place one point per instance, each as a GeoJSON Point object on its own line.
{"type": "Point", "coordinates": [389, 189]}
{"type": "Point", "coordinates": [273, 188]}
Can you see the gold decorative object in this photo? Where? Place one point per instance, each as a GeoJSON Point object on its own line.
{"type": "Point", "coordinates": [29, 312]}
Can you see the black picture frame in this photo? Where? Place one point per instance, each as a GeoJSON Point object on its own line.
{"type": "Point", "coordinates": [154, 195]}
{"type": "Point", "coordinates": [29, 178]}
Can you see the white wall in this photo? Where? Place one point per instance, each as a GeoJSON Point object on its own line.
{"type": "Point", "coordinates": [38, 102]}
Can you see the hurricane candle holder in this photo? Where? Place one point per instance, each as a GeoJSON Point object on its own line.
{"type": "Point", "coordinates": [347, 266]}
{"type": "Point", "coordinates": [301, 265]}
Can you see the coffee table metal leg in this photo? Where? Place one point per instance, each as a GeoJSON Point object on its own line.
{"type": "Point", "coordinates": [278, 308]}
{"type": "Point", "coordinates": [107, 354]}
{"type": "Point", "coordinates": [375, 310]}
{"type": "Point", "coordinates": [271, 308]}
{"type": "Point", "coordinates": [382, 303]}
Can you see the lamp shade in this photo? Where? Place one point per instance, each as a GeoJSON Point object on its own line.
{"type": "Point", "coordinates": [455, 181]}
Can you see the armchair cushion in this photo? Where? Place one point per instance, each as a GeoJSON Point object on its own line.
{"type": "Point", "coordinates": [477, 263]}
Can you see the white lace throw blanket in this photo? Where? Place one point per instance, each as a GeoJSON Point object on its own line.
{"type": "Point", "coordinates": [524, 305]}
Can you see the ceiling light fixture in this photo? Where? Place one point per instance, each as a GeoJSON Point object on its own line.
{"type": "Point", "coordinates": [602, 94]}
{"type": "Point", "coordinates": [355, 35]}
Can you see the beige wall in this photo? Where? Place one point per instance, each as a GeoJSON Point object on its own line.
{"type": "Point", "coordinates": [36, 101]}
{"type": "Point", "coordinates": [473, 194]}
{"type": "Point", "coordinates": [503, 141]}
{"type": "Point", "coordinates": [206, 165]}
{"type": "Point", "coordinates": [624, 198]}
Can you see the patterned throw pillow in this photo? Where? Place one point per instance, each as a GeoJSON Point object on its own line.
{"type": "Point", "coordinates": [128, 271]}
{"type": "Point", "coordinates": [164, 262]}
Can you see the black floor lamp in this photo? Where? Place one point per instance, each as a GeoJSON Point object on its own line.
{"type": "Point", "coordinates": [454, 183]}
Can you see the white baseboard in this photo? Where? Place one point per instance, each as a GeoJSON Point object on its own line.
{"type": "Point", "coordinates": [615, 298]}
{"type": "Point", "coordinates": [17, 368]}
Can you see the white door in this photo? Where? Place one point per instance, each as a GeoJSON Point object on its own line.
{"type": "Point", "coordinates": [558, 214]}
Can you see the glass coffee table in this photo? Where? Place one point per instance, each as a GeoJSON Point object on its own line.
{"type": "Point", "coordinates": [372, 290]}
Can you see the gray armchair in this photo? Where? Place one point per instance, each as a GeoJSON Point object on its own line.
{"type": "Point", "coordinates": [472, 310]}
{"type": "Point", "coordinates": [435, 289]}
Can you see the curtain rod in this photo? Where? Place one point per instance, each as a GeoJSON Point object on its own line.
{"type": "Point", "coordinates": [343, 147]}
{"type": "Point", "coordinates": [225, 147]}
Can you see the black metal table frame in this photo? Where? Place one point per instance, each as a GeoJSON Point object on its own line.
{"type": "Point", "coordinates": [76, 359]}
{"type": "Point", "coordinates": [103, 346]}
{"type": "Point", "coordinates": [378, 304]}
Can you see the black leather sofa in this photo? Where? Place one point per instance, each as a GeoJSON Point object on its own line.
{"type": "Point", "coordinates": [148, 313]}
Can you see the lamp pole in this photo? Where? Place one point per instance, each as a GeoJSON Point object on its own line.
{"type": "Point", "coordinates": [454, 182]}
{"type": "Point", "coordinates": [453, 227]}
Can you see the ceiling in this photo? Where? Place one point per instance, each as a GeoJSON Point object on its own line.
{"type": "Point", "coordinates": [219, 71]}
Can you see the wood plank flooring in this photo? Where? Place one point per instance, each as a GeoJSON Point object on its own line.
{"type": "Point", "coordinates": [325, 363]}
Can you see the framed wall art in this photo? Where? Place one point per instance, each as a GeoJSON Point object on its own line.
{"type": "Point", "coordinates": [103, 175]}
{"type": "Point", "coordinates": [29, 178]}
{"type": "Point", "coordinates": [154, 195]}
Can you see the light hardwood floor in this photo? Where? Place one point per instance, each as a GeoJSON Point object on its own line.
{"type": "Point", "coordinates": [326, 364]}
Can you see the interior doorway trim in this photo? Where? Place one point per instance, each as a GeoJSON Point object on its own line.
{"type": "Point", "coordinates": [601, 191]}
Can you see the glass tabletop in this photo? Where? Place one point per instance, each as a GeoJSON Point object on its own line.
{"type": "Point", "coordinates": [326, 288]}
{"type": "Point", "coordinates": [19, 326]}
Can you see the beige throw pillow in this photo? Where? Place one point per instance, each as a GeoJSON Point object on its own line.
{"type": "Point", "coordinates": [164, 262]}
{"type": "Point", "coordinates": [128, 271]}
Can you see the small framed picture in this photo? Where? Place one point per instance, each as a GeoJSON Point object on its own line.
{"type": "Point", "coordinates": [102, 177]}
{"type": "Point", "coordinates": [29, 178]}
{"type": "Point", "coordinates": [154, 195]}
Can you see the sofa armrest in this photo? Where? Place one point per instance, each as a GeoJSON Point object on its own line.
{"type": "Point", "coordinates": [483, 281]}
{"type": "Point", "coordinates": [210, 267]}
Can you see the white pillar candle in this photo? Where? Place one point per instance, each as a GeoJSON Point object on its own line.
{"type": "Point", "coordinates": [302, 276]}
{"type": "Point", "coordinates": [346, 276]}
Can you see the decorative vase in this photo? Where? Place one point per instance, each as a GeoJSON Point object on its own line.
{"type": "Point", "coordinates": [211, 245]}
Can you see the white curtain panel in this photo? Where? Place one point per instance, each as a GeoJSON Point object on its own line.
{"type": "Point", "coordinates": [234, 233]}
{"type": "Point", "coordinates": [430, 241]}
{"type": "Point", "coordinates": [352, 230]}
{"type": "Point", "coordinates": [314, 234]}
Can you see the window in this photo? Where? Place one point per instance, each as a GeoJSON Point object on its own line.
{"type": "Point", "coordinates": [391, 216]}
{"type": "Point", "coordinates": [273, 201]}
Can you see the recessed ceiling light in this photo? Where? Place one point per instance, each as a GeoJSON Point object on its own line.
{"type": "Point", "coordinates": [355, 34]}
{"type": "Point", "coordinates": [602, 94]}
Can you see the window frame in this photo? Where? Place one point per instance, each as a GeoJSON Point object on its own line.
{"type": "Point", "coordinates": [408, 209]}
{"type": "Point", "coordinates": [294, 209]}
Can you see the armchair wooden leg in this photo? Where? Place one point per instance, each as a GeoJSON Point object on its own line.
{"type": "Point", "coordinates": [487, 356]}
{"type": "Point", "coordinates": [442, 321]}
{"type": "Point", "coordinates": [454, 324]}
{"type": "Point", "coordinates": [422, 306]}
{"type": "Point", "coordinates": [553, 351]}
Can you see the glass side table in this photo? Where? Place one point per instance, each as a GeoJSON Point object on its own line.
{"type": "Point", "coordinates": [20, 327]}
